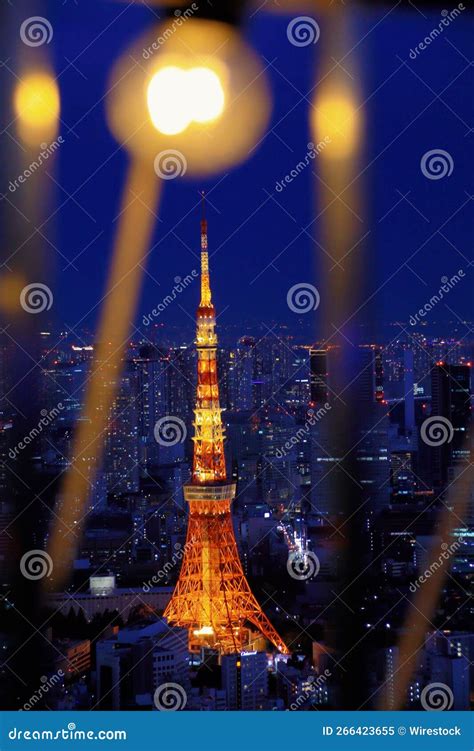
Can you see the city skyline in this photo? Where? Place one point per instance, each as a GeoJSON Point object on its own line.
{"type": "Point", "coordinates": [279, 381]}
{"type": "Point", "coordinates": [261, 498]}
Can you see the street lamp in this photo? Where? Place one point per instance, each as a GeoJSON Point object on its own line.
{"type": "Point", "coordinates": [196, 88]}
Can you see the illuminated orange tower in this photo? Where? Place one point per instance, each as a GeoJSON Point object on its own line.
{"type": "Point", "coordinates": [212, 597]}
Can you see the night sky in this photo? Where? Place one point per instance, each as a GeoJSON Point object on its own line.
{"type": "Point", "coordinates": [435, 96]}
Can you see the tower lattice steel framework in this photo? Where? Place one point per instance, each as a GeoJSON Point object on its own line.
{"type": "Point", "coordinates": [212, 597]}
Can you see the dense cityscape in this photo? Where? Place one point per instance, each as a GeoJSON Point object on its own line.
{"type": "Point", "coordinates": [236, 375]}
{"type": "Point", "coordinates": [109, 646]}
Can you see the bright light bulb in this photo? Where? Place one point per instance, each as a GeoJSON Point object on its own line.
{"type": "Point", "coordinates": [203, 83]}
{"type": "Point", "coordinates": [168, 108]}
{"type": "Point", "coordinates": [205, 94]}
{"type": "Point", "coordinates": [36, 102]}
{"type": "Point", "coordinates": [176, 97]}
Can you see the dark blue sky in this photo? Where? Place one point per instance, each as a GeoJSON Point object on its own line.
{"type": "Point", "coordinates": [397, 228]}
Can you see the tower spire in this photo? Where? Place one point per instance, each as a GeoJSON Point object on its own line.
{"type": "Point", "coordinates": [208, 461]}
{"type": "Point", "coordinates": [206, 300]}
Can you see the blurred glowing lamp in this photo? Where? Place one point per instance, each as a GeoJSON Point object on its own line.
{"type": "Point", "coordinates": [37, 105]}
{"type": "Point", "coordinates": [177, 97]}
{"type": "Point", "coordinates": [200, 92]}
{"type": "Point", "coordinates": [206, 95]}
{"type": "Point", "coordinates": [169, 112]}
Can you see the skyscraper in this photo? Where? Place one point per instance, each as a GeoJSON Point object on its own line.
{"type": "Point", "coordinates": [151, 377]}
{"type": "Point", "coordinates": [409, 395]}
{"type": "Point", "coordinates": [121, 436]}
{"type": "Point", "coordinates": [212, 597]}
{"type": "Point", "coordinates": [370, 377]}
{"type": "Point", "coordinates": [451, 399]}
{"type": "Point", "coordinates": [245, 680]}
{"type": "Point", "coordinates": [318, 363]}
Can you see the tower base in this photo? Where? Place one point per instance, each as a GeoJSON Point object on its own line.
{"type": "Point", "coordinates": [212, 597]}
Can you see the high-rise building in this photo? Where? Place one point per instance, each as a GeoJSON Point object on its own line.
{"type": "Point", "coordinates": [243, 372]}
{"type": "Point", "coordinates": [151, 390]}
{"type": "Point", "coordinates": [298, 390]}
{"type": "Point", "coordinates": [327, 473]}
{"type": "Point", "coordinates": [445, 662]}
{"type": "Point", "coordinates": [7, 556]}
{"type": "Point", "coordinates": [402, 477]}
{"type": "Point", "coordinates": [318, 363]}
{"type": "Point", "coordinates": [370, 379]}
{"type": "Point", "coordinates": [121, 437]}
{"type": "Point", "coordinates": [136, 660]}
{"type": "Point", "coordinates": [245, 680]}
{"type": "Point", "coordinates": [451, 400]}
{"type": "Point", "coordinates": [409, 389]}
{"type": "Point", "coordinates": [212, 597]}
{"type": "Point", "coordinates": [181, 381]}
{"type": "Point", "coordinates": [364, 384]}
{"type": "Point", "coordinates": [373, 458]}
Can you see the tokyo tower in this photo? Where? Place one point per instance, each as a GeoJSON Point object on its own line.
{"type": "Point", "coordinates": [212, 597]}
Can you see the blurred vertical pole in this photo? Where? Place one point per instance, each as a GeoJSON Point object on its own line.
{"type": "Point", "coordinates": [421, 611]}
{"type": "Point", "coordinates": [336, 120]}
{"type": "Point", "coordinates": [24, 261]}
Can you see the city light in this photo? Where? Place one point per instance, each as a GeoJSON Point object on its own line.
{"type": "Point", "coordinates": [204, 631]}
